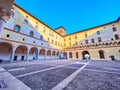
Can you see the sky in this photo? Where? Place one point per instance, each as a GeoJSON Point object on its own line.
{"type": "Point", "coordinates": [73, 15]}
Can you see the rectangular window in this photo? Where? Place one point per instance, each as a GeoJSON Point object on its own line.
{"type": "Point", "coordinates": [98, 32]}
{"type": "Point", "coordinates": [86, 41]}
{"type": "Point", "coordinates": [75, 37]}
{"type": "Point", "coordinates": [69, 38]}
{"type": "Point", "coordinates": [114, 29]}
{"type": "Point", "coordinates": [64, 39]}
{"type": "Point", "coordinates": [64, 44]}
{"type": "Point", "coordinates": [99, 39]}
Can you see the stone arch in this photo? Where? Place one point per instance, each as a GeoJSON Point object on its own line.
{"type": "Point", "coordinates": [33, 53]}
{"type": "Point", "coordinates": [20, 53]}
{"type": "Point", "coordinates": [53, 55]}
{"type": "Point", "coordinates": [86, 55]}
{"type": "Point", "coordinates": [65, 55]}
{"type": "Point", "coordinates": [42, 53]}
{"type": "Point", "coordinates": [6, 50]}
{"type": "Point", "coordinates": [48, 55]}
{"type": "Point", "coordinates": [70, 55]}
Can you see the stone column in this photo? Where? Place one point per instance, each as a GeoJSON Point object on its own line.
{"type": "Point", "coordinates": [27, 55]}
{"type": "Point", "coordinates": [12, 55]}
{"type": "Point", "coordinates": [45, 54]}
{"type": "Point", "coordinates": [51, 55]}
{"type": "Point", "coordinates": [37, 53]}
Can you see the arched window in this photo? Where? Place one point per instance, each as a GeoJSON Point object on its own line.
{"type": "Point", "coordinates": [99, 39]}
{"type": "Point", "coordinates": [17, 28]}
{"type": "Point", "coordinates": [114, 29]}
{"type": "Point", "coordinates": [31, 33]}
{"type": "Point", "coordinates": [26, 21]}
{"type": "Point", "coordinates": [101, 54]}
{"type": "Point", "coordinates": [86, 41]}
{"type": "Point", "coordinates": [98, 32]}
{"type": "Point", "coordinates": [86, 35]}
{"type": "Point", "coordinates": [116, 37]}
{"type": "Point", "coordinates": [70, 55]}
{"type": "Point", "coordinates": [92, 40]}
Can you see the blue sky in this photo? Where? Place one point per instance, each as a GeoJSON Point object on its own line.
{"type": "Point", "coordinates": [73, 15]}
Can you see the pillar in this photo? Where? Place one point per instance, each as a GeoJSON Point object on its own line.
{"type": "Point", "coordinates": [45, 54]}
{"type": "Point", "coordinates": [27, 55]}
{"type": "Point", "coordinates": [12, 55]}
{"type": "Point", "coordinates": [37, 54]}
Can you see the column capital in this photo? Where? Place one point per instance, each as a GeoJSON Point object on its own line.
{"type": "Point", "coordinates": [4, 14]}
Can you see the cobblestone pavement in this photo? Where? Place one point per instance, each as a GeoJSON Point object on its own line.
{"type": "Point", "coordinates": [67, 74]}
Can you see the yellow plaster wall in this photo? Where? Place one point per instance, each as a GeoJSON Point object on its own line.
{"type": "Point", "coordinates": [80, 36]}
{"type": "Point", "coordinates": [43, 29]}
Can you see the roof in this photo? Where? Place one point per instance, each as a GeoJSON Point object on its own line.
{"type": "Point", "coordinates": [94, 27]}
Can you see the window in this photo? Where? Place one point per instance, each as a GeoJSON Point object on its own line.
{"type": "Point", "coordinates": [8, 35]}
{"type": "Point", "coordinates": [23, 39]}
{"type": "Point", "coordinates": [112, 39]}
{"type": "Point", "coordinates": [76, 42]}
{"type": "Point", "coordinates": [26, 16]}
{"type": "Point", "coordinates": [36, 26]}
{"type": "Point", "coordinates": [116, 37]}
{"type": "Point", "coordinates": [64, 44]}
{"type": "Point", "coordinates": [69, 38]}
{"type": "Point", "coordinates": [98, 32]}
{"type": "Point", "coordinates": [31, 33]}
{"type": "Point", "coordinates": [33, 41]}
{"type": "Point", "coordinates": [17, 28]}
{"type": "Point", "coordinates": [41, 43]}
{"type": "Point", "coordinates": [114, 29]}
{"type": "Point", "coordinates": [92, 40]}
{"type": "Point", "coordinates": [99, 39]}
{"type": "Point", "coordinates": [85, 34]}
{"type": "Point", "coordinates": [75, 37]}
{"type": "Point", "coordinates": [86, 41]}
{"type": "Point", "coordinates": [101, 54]}
{"type": "Point", "coordinates": [52, 41]}
{"type": "Point", "coordinates": [55, 42]}
{"type": "Point", "coordinates": [41, 37]}
{"type": "Point", "coordinates": [64, 39]}
{"type": "Point", "coordinates": [58, 44]}
{"type": "Point", "coordinates": [70, 55]}
{"type": "Point", "coordinates": [26, 21]}
{"type": "Point", "coordinates": [44, 30]}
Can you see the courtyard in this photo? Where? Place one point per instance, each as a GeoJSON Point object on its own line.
{"type": "Point", "coordinates": [60, 75]}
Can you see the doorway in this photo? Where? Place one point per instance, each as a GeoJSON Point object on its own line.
{"type": "Point", "coordinates": [86, 55]}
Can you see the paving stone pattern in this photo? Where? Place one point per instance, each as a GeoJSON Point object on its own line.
{"type": "Point", "coordinates": [46, 80]}
{"type": "Point", "coordinates": [28, 68]}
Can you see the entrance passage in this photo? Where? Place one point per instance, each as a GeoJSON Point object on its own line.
{"type": "Point", "coordinates": [86, 55]}
{"type": "Point", "coordinates": [65, 55]}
